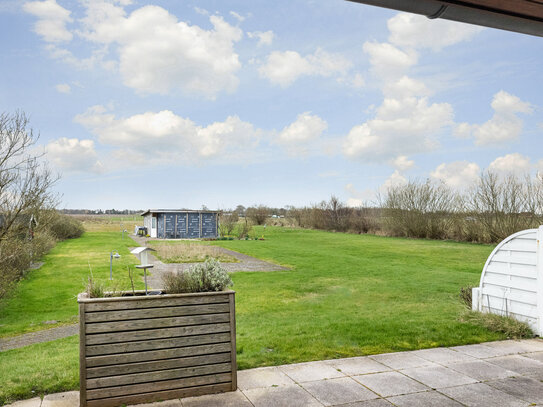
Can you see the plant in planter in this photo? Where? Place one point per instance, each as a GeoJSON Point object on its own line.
{"type": "Point", "coordinates": [136, 348]}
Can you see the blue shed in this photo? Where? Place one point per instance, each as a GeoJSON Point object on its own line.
{"type": "Point", "coordinates": [181, 223]}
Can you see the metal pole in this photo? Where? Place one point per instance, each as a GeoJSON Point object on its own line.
{"type": "Point", "coordinates": [111, 266]}
{"type": "Point", "coordinates": [145, 278]}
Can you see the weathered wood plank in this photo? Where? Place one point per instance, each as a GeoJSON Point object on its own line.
{"type": "Point", "coordinates": [156, 344]}
{"type": "Point", "coordinates": [159, 386]}
{"type": "Point", "coordinates": [156, 376]}
{"type": "Point", "coordinates": [233, 341]}
{"type": "Point", "coordinates": [97, 339]}
{"type": "Point", "coordinates": [124, 358]}
{"type": "Point", "coordinates": [161, 312]}
{"type": "Point", "coordinates": [150, 366]}
{"type": "Point", "coordinates": [124, 303]}
{"type": "Point", "coordinates": [82, 358]}
{"type": "Point", "coordinates": [160, 395]}
{"type": "Point", "coordinates": [153, 323]}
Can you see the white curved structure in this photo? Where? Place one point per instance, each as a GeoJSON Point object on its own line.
{"type": "Point", "coordinates": [512, 279]}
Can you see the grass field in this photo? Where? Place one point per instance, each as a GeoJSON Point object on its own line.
{"type": "Point", "coordinates": [345, 295]}
{"type": "Point", "coordinates": [183, 251]}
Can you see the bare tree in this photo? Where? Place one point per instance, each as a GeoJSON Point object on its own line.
{"type": "Point", "coordinates": [229, 220]}
{"type": "Point", "coordinates": [25, 189]}
{"type": "Point", "coordinates": [258, 214]}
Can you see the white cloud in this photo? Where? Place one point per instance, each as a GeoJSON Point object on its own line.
{"type": "Point", "coordinates": [400, 127]}
{"type": "Point", "coordinates": [299, 137]}
{"type": "Point", "coordinates": [63, 88]}
{"type": "Point", "coordinates": [72, 154]}
{"type": "Point", "coordinates": [416, 31]}
{"type": "Point", "coordinates": [358, 198]}
{"type": "Point", "coordinates": [151, 49]}
{"type": "Point", "coordinates": [283, 68]}
{"type": "Point", "coordinates": [402, 163]}
{"type": "Point", "coordinates": [505, 124]}
{"type": "Point", "coordinates": [396, 179]}
{"type": "Point", "coordinates": [458, 174]}
{"type": "Point", "coordinates": [237, 16]}
{"type": "Point", "coordinates": [166, 138]}
{"type": "Point", "coordinates": [52, 20]}
{"type": "Point", "coordinates": [387, 60]}
{"type": "Point", "coordinates": [264, 37]}
{"type": "Point", "coordinates": [514, 163]}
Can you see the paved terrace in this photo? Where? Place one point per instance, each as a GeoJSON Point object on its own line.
{"type": "Point", "coordinates": [501, 374]}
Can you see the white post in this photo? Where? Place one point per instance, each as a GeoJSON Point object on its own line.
{"type": "Point", "coordinates": [475, 297]}
{"type": "Point", "coordinates": [539, 252]}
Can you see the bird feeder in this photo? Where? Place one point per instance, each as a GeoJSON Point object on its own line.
{"type": "Point", "coordinates": [143, 255]}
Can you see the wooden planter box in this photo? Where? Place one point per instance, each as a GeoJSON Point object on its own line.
{"type": "Point", "coordinates": [139, 349]}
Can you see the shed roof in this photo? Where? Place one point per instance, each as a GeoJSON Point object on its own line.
{"type": "Point", "coordinates": [148, 211]}
{"type": "Point", "coordinates": [523, 16]}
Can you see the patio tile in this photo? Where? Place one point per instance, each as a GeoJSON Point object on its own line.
{"type": "Point", "coordinates": [534, 355]}
{"type": "Point", "coordinates": [230, 399]}
{"type": "Point", "coordinates": [515, 347]}
{"type": "Point", "coordinates": [356, 366]}
{"type": "Point", "coordinates": [262, 377]}
{"type": "Point", "coordinates": [401, 360]}
{"type": "Point", "coordinates": [438, 376]}
{"type": "Point", "coordinates": [35, 402]}
{"type": "Point", "coordinates": [311, 371]}
{"type": "Point", "coordinates": [390, 383]}
{"type": "Point", "coordinates": [482, 395]}
{"type": "Point", "coordinates": [338, 391]}
{"type": "Point", "coordinates": [481, 370]}
{"type": "Point", "coordinates": [480, 351]}
{"type": "Point", "coordinates": [68, 399]}
{"type": "Point", "coordinates": [167, 403]}
{"type": "Point", "coordinates": [536, 343]}
{"type": "Point", "coordinates": [518, 364]}
{"type": "Point", "coordinates": [424, 399]}
{"type": "Point", "coordinates": [443, 355]}
{"type": "Point", "coordinates": [284, 396]}
{"type": "Point", "coordinates": [369, 403]}
{"type": "Point", "coordinates": [524, 388]}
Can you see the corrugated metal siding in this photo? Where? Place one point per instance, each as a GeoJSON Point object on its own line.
{"type": "Point", "coordinates": [185, 225]}
{"type": "Point", "coordinates": [509, 282]}
{"type": "Point", "coordinates": [209, 225]}
{"type": "Point", "coordinates": [194, 225]}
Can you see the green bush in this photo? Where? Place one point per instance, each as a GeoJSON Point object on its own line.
{"type": "Point", "coordinates": [204, 277]}
{"type": "Point", "coordinates": [64, 227]}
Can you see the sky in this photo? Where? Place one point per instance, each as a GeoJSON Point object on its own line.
{"type": "Point", "coordinates": [179, 104]}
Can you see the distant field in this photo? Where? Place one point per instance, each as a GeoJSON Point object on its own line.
{"type": "Point", "coordinates": [345, 295]}
{"type": "Point", "coordinates": [110, 223]}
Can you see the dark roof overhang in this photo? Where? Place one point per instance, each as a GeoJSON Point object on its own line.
{"type": "Point", "coordinates": [523, 16]}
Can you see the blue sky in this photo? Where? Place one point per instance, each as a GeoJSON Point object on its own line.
{"type": "Point", "coordinates": [219, 103]}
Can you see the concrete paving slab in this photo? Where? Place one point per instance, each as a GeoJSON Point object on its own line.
{"type": "Point", "coordinates": [482, 395]}
{"type": "Point", "coordinates": [534, 355]}
{"type": "Point", "coordinates": [68, 399]}
{"type": "Point", "coordinates": [357, 366]}
{"type": "Point", "coordinates": [481, 370]}
{"type": "Point", "coordinates": [338, 391]}
{"type": "Point", "coordinates": [518, 364]}
{"type": "Point", "coordinates": [230, 399]}
{"type": "Point", "coordinates": [283, 396]}
{"type": "Point", "coordinates": [35, 402]}
{"type": "Point", "coordinates": [515, 347]}
{"type": "Point", "coordinates": [424, 399]}
{"type": "Point", "coordinates": [168, 403]}
{"type": "Point", "coordinates": [480, 351]}
{"type": "Point", "coordinates": [262, 377]}
{"type": "Point", "coordinates": [369, 403]}
{"type": "Point", "coordinates": [534, 342]}
{"type": "Point", "coordinates": [524, 388]}
{"type": "Point", "coordinates": [438, 376]}
{"type": "Point", "coordinates": [390, 383]}
{"type": "Point", "coordinates": [443, 355]}
{"type": "Point", "coordinates": [401, 360]}
{"type": "Point", "coordinates": [309, 372]}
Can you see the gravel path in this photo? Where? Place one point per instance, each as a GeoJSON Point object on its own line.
{"type": "Point", "coordinates": [246, 263]}
{"type": "Point", "coordinates": [38, 337]}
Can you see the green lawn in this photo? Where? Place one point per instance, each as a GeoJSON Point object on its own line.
{"type": "Point", "coordinates": [49, 293]}
{"type": "Point", "coordinates": [346, 295]}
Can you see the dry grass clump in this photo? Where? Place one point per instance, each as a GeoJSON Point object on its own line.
{"type": "Point", "coordinates": [190, 253]}
{"type": "Point", "coordinates": [509, 326]}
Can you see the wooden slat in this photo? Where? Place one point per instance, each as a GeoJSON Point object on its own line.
{"type": "Point", "coordinates": [159, 386]}
{"type": "Point", "coordinates": [150, 366]}
{"type": "Point", "coordinates": [525, 258]}
{"type": "Point", "coordinates": [233, 341]}
{"type": "Point", "coordinates": [156, 333]}
{"type": "Point", "coordinates": [519, 308]}
{"type": "Point", "coordinates": [135, 357]}
{"type": "Point", "coordinates": [159, 395]}
{"type": "Point", "coordinates": [153, 323]}
{"type": "Point", "coordinates": [515, 295]}
{"type": "Point", "coordinates": [82, 357]}
{"type": "Point", "coordinates": [157, 344]}
{"type": "Point", "coordinates": [518, 270]}
{"type": "Point", "coordinates": [518, 245]}
{"type": "Point", "coordinates": [520, 283]}
{"type": "Point", "coordinates": [154, 301]}
{"type": "Point", "coordinates": [106, 316]}
{"type": "Point", "coordinates": [136, 378]}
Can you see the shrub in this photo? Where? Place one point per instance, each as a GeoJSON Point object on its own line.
{"type": "Point", "coordinates": [466, 296]}
{"type": "Point", "coordinates": [228, 222]}
{"type": "Point", "coordinates": [205, 277]}
{"type": "Point", "coordinates": [64, 227]}
{"type": "Point", "coordinates": [258, 214]}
